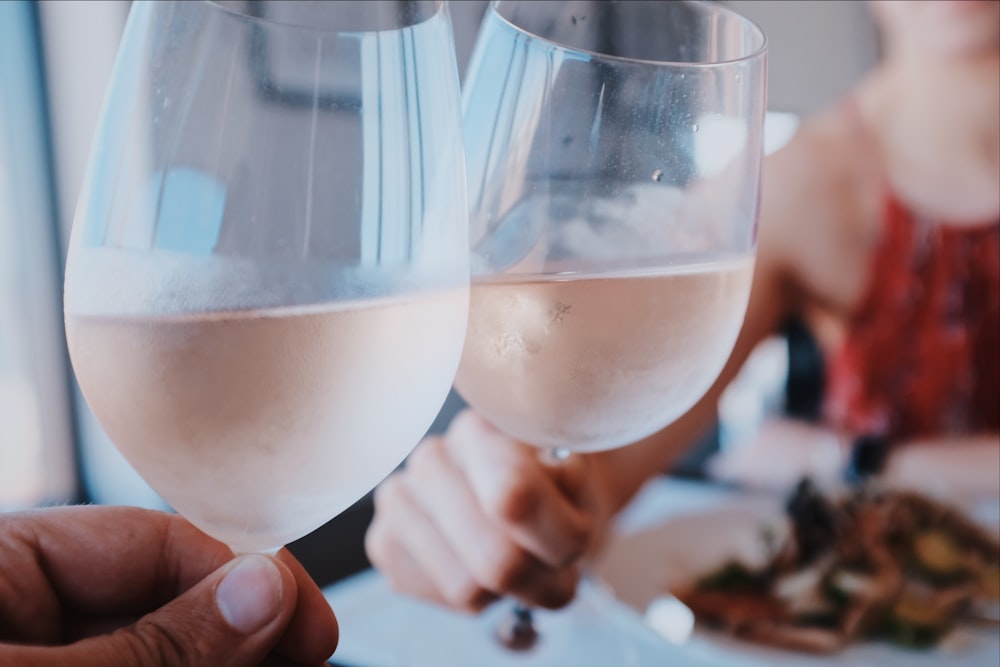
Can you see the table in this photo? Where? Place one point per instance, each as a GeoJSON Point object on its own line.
{"type": "Point", "coordinates": [375, 621]}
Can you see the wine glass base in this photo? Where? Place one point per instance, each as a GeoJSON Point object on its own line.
{"type": "Point", "coordinates": [517, 630]}
{"type": "Point", "coordinates": [580, 635]}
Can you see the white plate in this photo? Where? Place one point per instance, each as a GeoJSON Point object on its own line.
{"type": "Point", "coordinates": [642, 566]}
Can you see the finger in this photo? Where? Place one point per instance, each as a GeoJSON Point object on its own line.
{"type": "Point", "coordinates": [570, 476]}
{"type": "Point", "coordinates": [312, 635]}
{"type": "Point", "coordinates": [518, 492]}
{"type": "Point", "coordinates": [386, 548]}
{"type": "Point", "coordinates": [405, 575]}
{"type": "Point", "coordinates": [105, 579]}
{"type": "Point", "coordinates": [145, 560]}
{"type": "Point", "coordinates": [552, 590]}
{"type": "Point", "coordinates": [309, 639]}
{"type": "Point", "coordinates": [398, 513]}
{"type": "Point", "coordinates": [60, 565]}
{"type": "Point", "coordinates": [497, 563]}
{"type": "Point", "coordinates": [391, 558]}
{"type": "Point", "coordinates": [233, 618]}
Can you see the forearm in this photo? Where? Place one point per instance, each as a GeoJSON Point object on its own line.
{"type": "Point", "coordinates": [968, 465]}
{"type": "Point", "coordinates": [622, 472]}
{"type": "Point", "coordinates": [773, 297]}
{"type": "Point", "coordinates": [981, 444]}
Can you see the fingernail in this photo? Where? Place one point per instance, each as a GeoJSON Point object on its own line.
{"type": "Point", "coordinates": [249, 595]}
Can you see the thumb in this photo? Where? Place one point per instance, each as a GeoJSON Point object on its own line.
{"type": "Point", "coordinates": [232, 618]}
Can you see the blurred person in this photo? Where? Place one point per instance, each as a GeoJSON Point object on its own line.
{"type": "Point", "coordinates": [98, 586]}
{"type": "Point", "coordinates": [904, 284]}
{"type": "Point", "coordinates": [880, 219]}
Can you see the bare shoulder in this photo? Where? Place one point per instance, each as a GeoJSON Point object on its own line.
{"type": "Point", "coordinates": [819, 173]}
{"type": "Point", "coordinates": [819, 206]}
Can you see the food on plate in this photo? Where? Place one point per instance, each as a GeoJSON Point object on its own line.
{"type": "Point", "coordinates": [867, 564]}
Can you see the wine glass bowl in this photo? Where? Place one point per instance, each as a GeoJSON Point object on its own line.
{"type": "Point", "coordinates": [614, 155]}
{"type": "Point", "coordinates": [267, 285]}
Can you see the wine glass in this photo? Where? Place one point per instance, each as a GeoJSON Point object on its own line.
{"type": "Point", "coordinates": [267, 287]}
{"type": "Point", "coordinates": [614, 153]}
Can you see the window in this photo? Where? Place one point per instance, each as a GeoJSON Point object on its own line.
{"type": "Point", "coordinates": [36, 437]}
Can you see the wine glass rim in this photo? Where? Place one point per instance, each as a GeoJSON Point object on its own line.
{"type": "Point", "coordinates": [756, 54]}
{"type": "Point", "coordinates": [441, 6]}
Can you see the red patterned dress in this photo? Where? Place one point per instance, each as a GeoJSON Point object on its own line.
{"type": "Point", "coordinates": [921, 355]}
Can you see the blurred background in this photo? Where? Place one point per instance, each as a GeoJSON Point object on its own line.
{"type": "Point", "coordinates": [55, 61]}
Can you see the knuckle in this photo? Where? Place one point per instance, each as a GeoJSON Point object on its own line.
{"type": "Point", "coordinates": [514, 499]}
{"type": "Point", "coordinates": [575, 473]}
{"type": "Point", "coordinates": [482, 601]}
{"type": "Point", "coordinates": [465, 594]}
{"type": "Point", "coordinates": [505, 569]}
{"type": "Point", "coordinates": [389, 491]}
{"type": "Point", "coordinates": [376, 544]}
{"type": "Point", "coordinates": [426, 458]}
{"type": "Point", "coordinates": [578, 539]}
{"type": "Point", "coordinates": [468, 429]}
{"type": "Point", "coordinates": [557, 598]}
{"type": "Point", "coordinates": [148, 642]}
{"type": "Point", "coordinates": [561, 593]}
{"type": "Point", "coordinates": [464, 422]}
